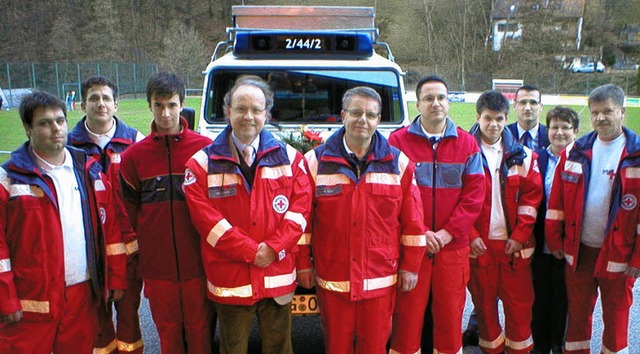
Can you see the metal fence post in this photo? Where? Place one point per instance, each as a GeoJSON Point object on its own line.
{"type": "Point", "coordinates": [33, 75]}
{"type": "Point", "coordinates": [57, 80]}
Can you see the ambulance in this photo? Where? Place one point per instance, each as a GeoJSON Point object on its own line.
{"type": "Point", "coordinates": [310, 55]}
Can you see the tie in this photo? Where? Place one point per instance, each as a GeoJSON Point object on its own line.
{"type": "Point", "coordinates": [247, 154]}
{"type": "Point", "coordinates": [526, 140]}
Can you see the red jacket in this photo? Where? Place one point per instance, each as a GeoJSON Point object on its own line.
{"type": "Point", "coordinates": [521, 195]}
{"type": "Point", "coordinates": [621, 246]}
{"type": "Point", "coordinates": [109, 159]}
{"type": "Point", "coordinates": [233, 217]}
{"type": "Point", "coordinates": [152, 172]}
{"type": "Point", "coordinates": [365, 228]}
{"type": "Point", "coordinates": [32, 275]}
{"type": "Point", "coordinates": [450, 178]}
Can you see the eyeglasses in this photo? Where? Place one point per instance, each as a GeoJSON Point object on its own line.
{"type": "Point", "coordinates": [532, 103]}
{"type": "Point", "coordinates": [357, 113]}
{"type": "Point", "coordinates": [244, 110]}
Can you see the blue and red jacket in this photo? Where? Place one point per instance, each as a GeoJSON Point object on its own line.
{"type": "Point", "coordinates": [233, 217]}
{"type": "Point", "coordinates": [32, 275]}
{"type": "Point", "coordinates": [521, 192]}
{"type": "Point", "coordinates": [367, 224]}
{"type": "Point", "coordinates": [450, 178]}
{"type": "Point", "coordinates": [152, 173]}
{"type": "Point", "coordinates": [565, 213]}
{"type": "Point", "coordinates": [109, 159]}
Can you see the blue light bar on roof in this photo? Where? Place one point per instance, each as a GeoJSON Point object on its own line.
{"type": "Point", "coordinates": [312, 45]}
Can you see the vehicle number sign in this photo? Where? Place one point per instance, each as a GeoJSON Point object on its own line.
{"type": "Point", "coordinates": [301, 43]}
{"type": "Point", "coordinates": [305, 305]}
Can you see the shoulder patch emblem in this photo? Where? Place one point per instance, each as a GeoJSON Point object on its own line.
{"type": "Point", "coordinates": [628, 202]}
{"type": "Point", "coordinates": [189, 177]}
{"type": "Point", "coordinates": [280, 204]}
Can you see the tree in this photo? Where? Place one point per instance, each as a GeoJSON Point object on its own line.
{"type": "Point", "coordinates": [183, 53]}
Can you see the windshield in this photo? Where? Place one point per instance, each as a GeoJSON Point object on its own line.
{"type": "Point", "coordinates": [310, 96]}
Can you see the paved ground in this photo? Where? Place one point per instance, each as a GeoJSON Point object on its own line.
{"type": "Point", "coordinates": [307, 332]}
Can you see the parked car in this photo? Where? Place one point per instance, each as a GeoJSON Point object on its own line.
{"type": "Point", "coordinates": [588, 68]}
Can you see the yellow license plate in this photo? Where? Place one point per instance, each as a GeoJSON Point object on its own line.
{"type": "Point", "coordinates": [305, 305]}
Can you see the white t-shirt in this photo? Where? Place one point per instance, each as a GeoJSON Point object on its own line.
{"type": "Point", "coordinates": [71, 218]}
{"type": "Point", "coordinates": [498, 224]}
{"type": "Point", "coordinates": [102, 139]}
{"type": "Point", "coordinates": [604, 167]}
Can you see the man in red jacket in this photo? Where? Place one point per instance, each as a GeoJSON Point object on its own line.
{"type": "Point", "coordinates": [249, 196]}
{"type": "Point", "coordinates": [104, 136]}
{"type": "Point", "coordinates": [60, 246]}
{"type": "Point", "coordinates": [368, 234]}
{"type": "Point", "coordinates": [152, 172]}
{"type": "Point", "coordinates": [502, 240]}
{"type": "Point", "coordinates": [451, 180]}
{"type": "Point", "coordinates": [592, 222]}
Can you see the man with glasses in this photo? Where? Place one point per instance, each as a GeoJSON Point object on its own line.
{"type": "Point", "coordinates": [249, 196]}
{"type": "Point", "coordinates": [528, 130]}
{"type": "Point", "coordinates": [368, 233]}
{"type": "Point", "coordinates": [451, 180]}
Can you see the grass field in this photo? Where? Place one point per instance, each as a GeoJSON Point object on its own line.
{"type": "Point", "coordinates": [136, 114]}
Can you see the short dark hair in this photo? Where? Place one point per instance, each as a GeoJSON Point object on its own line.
{"type": "Point", "coordinates": [97, 81]}
{"type": "Point", "coordinates": [527, 88]}
{"type": "Point", "coordinates": [39, 99]}
{"type": "Point", "coordinates": [606, 92]}
{"type": "Point", "coordinates": [256, 81]}
{"type": "Point", "coordinates": [165, 84]}
{"type": "Point", "coordinates": [430, 78]}
{"type": "Point", "coordinates": [564, 114]}
{"type": "Point", "coordinates": [363, 91]}
{"type": "Point", "coordinates": [492, 100]}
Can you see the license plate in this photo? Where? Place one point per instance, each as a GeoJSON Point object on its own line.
{"type": "Point", "coordinates": [303, 305]}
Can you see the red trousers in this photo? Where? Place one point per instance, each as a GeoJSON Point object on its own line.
{"type": "Point", "coordinates": [182, 314]}
{"type": "Point", "coordinates": [446, 276]}
{"type": "Point", "coordinates": [514, 286]}
{"type": "Point", "coordinates": [582, 291]}
{"type": "Point", "coordinates": [73, 333]}
{"type": "Point", "coordinates": [129, 338]}
{"type": "Point", "coordinates": [360, 327]}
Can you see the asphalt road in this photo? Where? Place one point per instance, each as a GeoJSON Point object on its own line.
{"type": "Point", "coordinates": [307, 332]}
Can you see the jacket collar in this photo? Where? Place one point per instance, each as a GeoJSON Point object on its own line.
{"type": "Point", "coordinates": [449, 130]}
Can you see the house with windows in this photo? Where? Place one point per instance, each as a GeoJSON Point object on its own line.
{"type": "Point", "coordinates": [513, 19]}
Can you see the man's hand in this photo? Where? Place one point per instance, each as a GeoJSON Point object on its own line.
{"type": "Point", "coordinates": [306, 278]}
{"type": "Point", "coordinates": [632, 272]}
{"type": "Point", "coordinates": [433, 243]}
{"type": "Point", "coordinates": [558, 254]}
{"type": "Point", "coordinates": [116, 295]}
{"type": "Point", "coordinates": [13, 317]}
{"type": "Point", "coordinates": [444, 237]}
{"type": "Point", "coordinates": [265, 256]}
{"type": "Point", "coordinates": [407, 281]}
{"type": "Point", "coordinates": [478, 247]}
{"type": "Point", "coordinates": [513, 246]}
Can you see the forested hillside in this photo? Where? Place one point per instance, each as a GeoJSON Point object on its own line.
{"type": "Point", "coordinates": [427, 36]}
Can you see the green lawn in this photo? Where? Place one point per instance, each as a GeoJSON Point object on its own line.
{"type": "Point", "coordinates": [136, 114]}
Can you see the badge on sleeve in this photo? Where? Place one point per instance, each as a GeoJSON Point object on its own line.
{"type": "Point", "coordinates": [189, 177]}
{"type": "Point", "coordinates": [280, 204]}
{"type": "Point", "coordinates": [628, 202]}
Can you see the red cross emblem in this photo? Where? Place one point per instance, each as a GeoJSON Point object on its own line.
{"type": "Point", "coordinates": [280, 204]}
{"type": "Point", "coordinates": [628, 202]}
